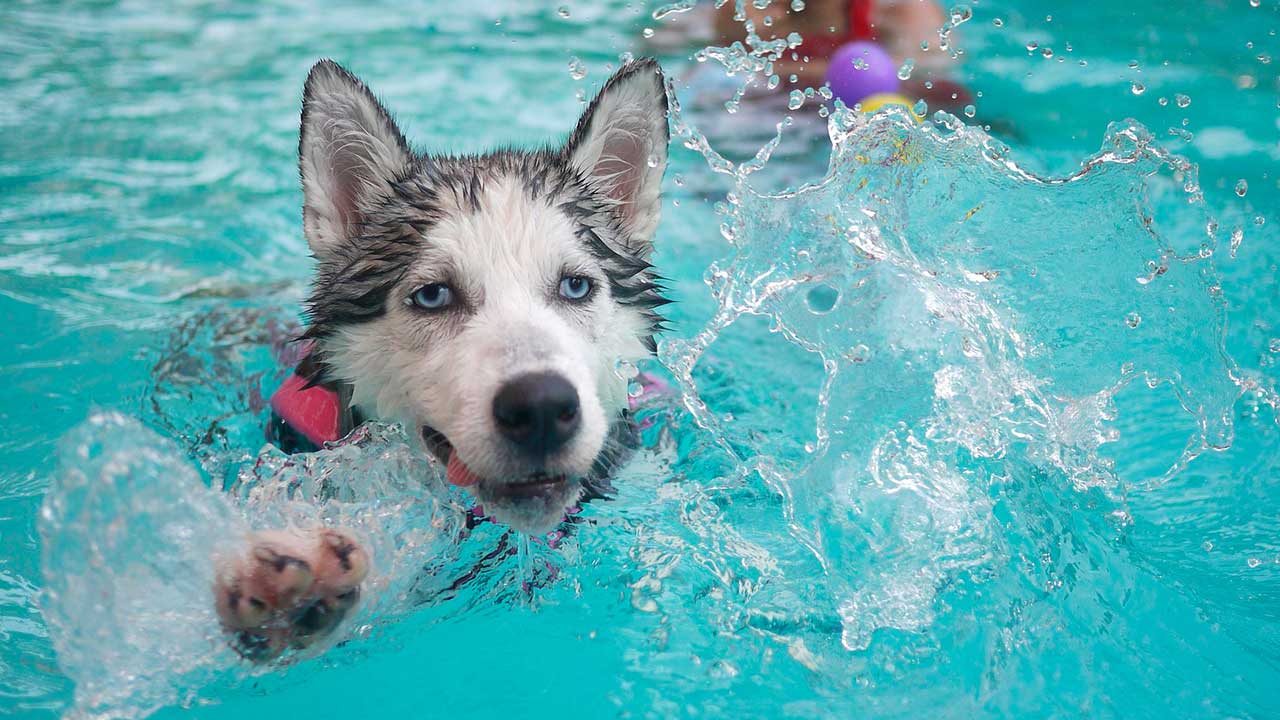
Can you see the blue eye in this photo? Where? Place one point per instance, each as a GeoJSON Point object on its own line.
{"type": "Point", "coordinates": [435, 296]}
{"type": "Point", "coordinates": [575, 288]}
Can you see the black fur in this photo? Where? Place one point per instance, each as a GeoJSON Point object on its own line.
{"type": "Point", "coordinates": [353, 283]}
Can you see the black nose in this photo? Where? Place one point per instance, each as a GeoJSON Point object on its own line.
{"type": "Point", "coordinates": [538, 412]}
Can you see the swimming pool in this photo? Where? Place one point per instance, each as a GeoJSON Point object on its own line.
{"type": "Point", "coordinates": [944, 485]}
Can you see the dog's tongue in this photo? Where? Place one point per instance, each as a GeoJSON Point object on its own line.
{"type": "Point", "coordinates": [458, 473]}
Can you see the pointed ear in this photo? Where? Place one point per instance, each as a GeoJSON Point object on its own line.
{"type": "Point", "coordinates": [620, 145]}
{"type": "Point", "coordinates": [349, 153]}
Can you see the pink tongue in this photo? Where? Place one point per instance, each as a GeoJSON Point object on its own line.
{"type": "Point", "coordinates": [458, 473]}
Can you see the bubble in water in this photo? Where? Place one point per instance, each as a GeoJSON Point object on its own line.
{"type": "Point", "coordinates": [1242, 187]}
{"type": "Point", "coordinates": [970, 111]}
{"type": "Point", "coordinates": [1137, 88]}
{"type": "Point", "coordinates": [1182, 100]}
{"type": "Point", "coordinates": [795, 100]}
{"type": "Point", "coordinates": [1237, 236]}
{"type": "Point", "coordinates": [1133, 320]}
{"type": "Point", "coordinates": [563, 11]}
{"type": "Point", "coordinates": [577, 69]}
{"type": "Point", "coordinates": [822, 299]}
{"type": "Point", "coordinates": [1274, 345]}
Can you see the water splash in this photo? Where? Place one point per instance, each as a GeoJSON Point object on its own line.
{"type": "Point", "coordinates": [974, 320]}
{"type": "Point", "coordinates": [131, 536]}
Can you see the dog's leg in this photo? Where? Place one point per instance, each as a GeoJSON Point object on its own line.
{"type": "Point", "coordinates": [289, 589]}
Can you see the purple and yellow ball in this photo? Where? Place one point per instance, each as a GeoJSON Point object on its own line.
{"type": "Point", "coordinates": [859, 70]}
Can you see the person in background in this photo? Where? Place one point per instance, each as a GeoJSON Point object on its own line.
{"type": "Point", "coordinates": [901, 29]}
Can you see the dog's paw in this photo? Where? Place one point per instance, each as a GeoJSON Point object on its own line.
{"type": "Point", "coordinates": [288, 590]}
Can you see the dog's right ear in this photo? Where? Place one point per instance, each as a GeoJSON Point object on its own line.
{"type": "Point", "coordinates": [349, 153]}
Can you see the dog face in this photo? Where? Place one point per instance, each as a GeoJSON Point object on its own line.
{"type": "Point", "coordinates": [487, 302]}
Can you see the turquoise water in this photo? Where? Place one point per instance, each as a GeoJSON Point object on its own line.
{"type": "Point", "coordinates": [979, 426]}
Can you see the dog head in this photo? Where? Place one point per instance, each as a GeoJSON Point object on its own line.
{"type": "Point", "coordinates": [487, 302]}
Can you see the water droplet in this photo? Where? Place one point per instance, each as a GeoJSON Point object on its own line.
{"type": "Point", "coordinates": [1047, 52]}
{"type": "Point", "coordinates": [563, 11]}
{"type": "Point", "coordinates": [678, 180]}
{"type": "Point", "coordinates": [970, 111]}
{"type": "Point", "coordinates": [1206, 545]}
{"type": "Point", "coordinates": [920, 108]}
{"type": "Point", "coordinates": [1237, 236]}
{"type": "Point", "coordinates": [773, 82]}
{"type": "Point", "coordinates": [1137, 88]}
{"type": "Point", "coordinates": [860, 64]}
{"type": "Point", "coordinates": [647, 32]}
{"type": "Point", "coordinates": [1255, 3]}
{"type": "Point", "coordinates": [797, 5]}
{"type": "Point", "coordinates": [795, 100]}
{"type": "Point", "coordinates": [1259, 221]}
{"type": "Point", "coordinates": [577, 69]}
{"type": "Point", "coordinates": [858, 353]}
{"type": "Point", "coordinates": [924, 45]}
{"type": "Point", "coordinates": [1274, 345]}
{"type": "Point", "coordinates": [1242, 187]}
{"type": "Point", "coordinates": [822, 299]}
{"type": "Point", "coordinates": [998, 22]}
{"type": "Point", "coordinates": [652, 161]}
{"type": "Point", "coordinates": [1253, 562]}
{"type": "Point", "coordinates": [1182, 100]}
{"type": "Point", "coordinates": [1031, 46]}
{"type": "Point", "coordinates": [960, 14]}
{"type": "Point", "coordinates": [1163, 101]}
{"type": "Point", "coordinates": [1133, 319]}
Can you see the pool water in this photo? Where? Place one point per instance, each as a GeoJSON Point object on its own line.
{"type": "Point", "coordinates": [969, 424]}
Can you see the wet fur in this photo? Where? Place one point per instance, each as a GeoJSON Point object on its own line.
{"type": "Point", "coordinates": [501, 229]}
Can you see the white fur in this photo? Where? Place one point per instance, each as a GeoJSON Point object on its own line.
{"type": "Point", "coordinates": [512, 254]}
{"type": "Point", "coordinates": [505, 261]}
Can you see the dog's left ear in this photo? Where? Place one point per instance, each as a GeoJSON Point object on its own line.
{"type": "Point", "coordinates": [620, 145]}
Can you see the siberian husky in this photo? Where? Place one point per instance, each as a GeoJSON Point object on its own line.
{"type": "Point", "coordinates": [484, 302]}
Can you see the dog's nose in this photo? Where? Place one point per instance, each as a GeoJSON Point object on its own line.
{"type": "Point", "coordinates": [538, 412]}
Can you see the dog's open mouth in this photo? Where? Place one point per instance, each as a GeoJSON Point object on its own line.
{"type": "Point", "coordinates": [536, 484]}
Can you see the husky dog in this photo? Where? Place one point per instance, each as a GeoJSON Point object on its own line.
{"type": "Point", "coordinates": [485, 302]}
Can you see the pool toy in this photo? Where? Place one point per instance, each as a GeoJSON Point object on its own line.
{"type": "Point", "coordinates": [861, 69]}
